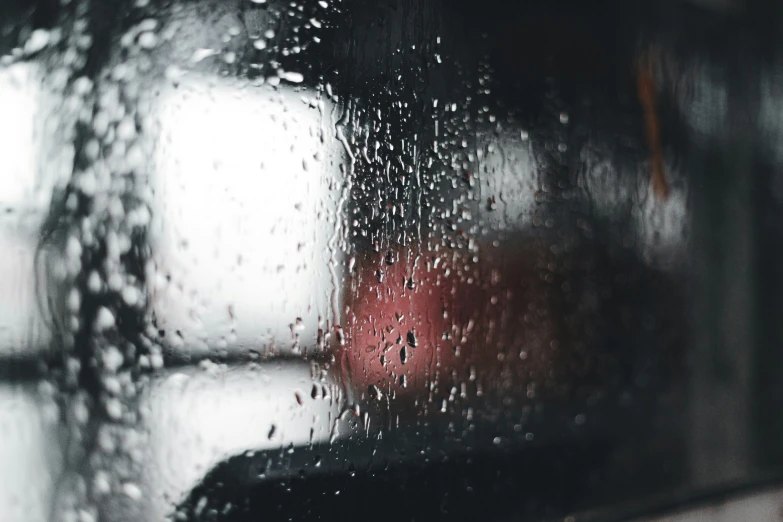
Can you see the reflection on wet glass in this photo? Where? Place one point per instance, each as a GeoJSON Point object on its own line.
{"type": "Point", "coordinates": [260, 256]}
{"type": "Point", "coordinates": [246, 187]}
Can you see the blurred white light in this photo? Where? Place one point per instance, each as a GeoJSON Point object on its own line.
{"type": "Point", "coordinates": [507, 174]}
{"type": "Point", "coordinates": [245, 195]}
{"type": "Point", "coordinates": [662, 227]}
{"type": "Point", "coordinates": [30, 459]}
{"type": "Point", "coordinates": [18, 97]}
{"type": "Point", "coordinates": [196, 419]}
{"type": "Point", "coordinates": [21, 325]}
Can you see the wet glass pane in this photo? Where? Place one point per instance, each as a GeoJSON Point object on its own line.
{"type": "Point", "coordinates": [395, 259]}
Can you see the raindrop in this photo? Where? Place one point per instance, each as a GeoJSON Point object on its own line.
{"type": "Point", "coordinates": [132, 491]}
{"type": "Point", "coordinates": [148, 40]}
{"type": "Point", "coordinates": [101, 484]}
{"type": "Point", "coordinates": [114, 409]}
{"type": "Point", "coordinates": [37, 41]}
{"type": "Point", "coordinates": [201, 54]}
{"type": "Point", "coordinates": [104, 319]}
{"type": "Point", "coordinates": [112, 359]}
{"type": "Point", "coordinates": [374, 392]}
{"type": "Point", "coordinates": [293, 77]}
{"type": "Point", "coordinates": [130, 295]}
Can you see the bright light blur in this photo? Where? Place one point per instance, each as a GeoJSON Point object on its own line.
{"type": "Point", "coordinates": [508, 172]}
{"type": "Point", "coordinates": [198, 418]}
{"type": "Point", "coordinates": [245, 198]}
{"type": "Point", "coordinates": [29, 453]}
{"type": "Point", "coordinates": [18, 106]}
{"type": "Point", "coordinates": [21, 324]}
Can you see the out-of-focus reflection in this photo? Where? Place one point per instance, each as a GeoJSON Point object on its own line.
{"type": "Point", "coordinates": [197, 417]}
{"type": "Point", "coordinates": [494, 299]}
{"type": "Point", "coordinates": [30, 452]}
{"type": "Point", "coordinates": [19, 102]}
{"type": "Point", "coordinates": [22, 327]}
{"type": "Point", "coordinates": [246, 192]}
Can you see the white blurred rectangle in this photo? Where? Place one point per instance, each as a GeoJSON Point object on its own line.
{"type": "Point", "coordinates": [24, 195]}
{"type": "Point", "coordinates": [30, 457]}
{"type": "Point", "coordinates": [246, 187]}
{"type": "Point", "coordinates": [23, 330]}
{"type": "Point", "coordinates": [18, 97]}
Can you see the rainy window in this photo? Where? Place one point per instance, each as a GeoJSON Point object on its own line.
{"type": "Point", "coordinates": [397, 259]}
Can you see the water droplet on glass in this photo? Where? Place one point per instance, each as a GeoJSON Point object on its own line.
{"type": "Point", "coordinates": [374, 392]}
{"type": "Point", "coordinates": [132, 491]}
{"type": "Point", "coordinates": [38, 39]}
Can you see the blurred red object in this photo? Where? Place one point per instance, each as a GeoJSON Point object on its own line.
{"type": "Point", "coordinates": [417, 318]}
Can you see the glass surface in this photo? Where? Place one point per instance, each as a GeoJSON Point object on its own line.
{"type": "Point", "coordinates": [395, 259]}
